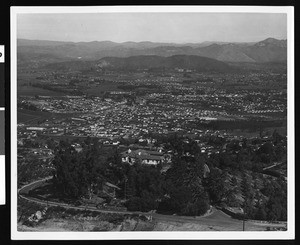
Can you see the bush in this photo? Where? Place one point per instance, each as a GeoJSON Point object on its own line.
{"type": "Point", "coordinates": [189, 208]}
{"type": "Point", "coordinates": [202, 206]}
{"type": "Point", "coordinates": [141, 204]}
{"type": "Point", "coordinates": [195, 209]}
{"type": "Point", "coordinates": [134, 204]}
{"type": "Point", "coordinates": [165, 207]}
{"type": "Point", "coordinates": [72, 211]}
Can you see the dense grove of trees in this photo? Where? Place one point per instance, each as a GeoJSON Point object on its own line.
{"type": "Point", "coordinates": [185, 193]}
{"type": "Point", "coordinates": [144, 187]}
{"type": "Point", "coordinates": [77, 172]}
{"type": "Point", "coordinates": [235, 177]}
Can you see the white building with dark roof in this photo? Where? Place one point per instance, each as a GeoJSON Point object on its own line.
{"type": "Point", "coordinates": [145, 156]}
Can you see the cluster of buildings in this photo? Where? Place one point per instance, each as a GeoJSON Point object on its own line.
{"type": "Point", "coordinates": [175, 103]}
{"type": "Point", "coordinates": [144, 156]}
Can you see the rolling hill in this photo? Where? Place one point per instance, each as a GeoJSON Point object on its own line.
{"type": "Point", "coordinates": [145, 62]}
{"type": "Point", "coordinates": [45, 52]}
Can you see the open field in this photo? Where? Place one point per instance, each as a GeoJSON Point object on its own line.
{"type": "Point", "coordinates": [26, 78]}
{"type": "Point", "coordinates": [98, 90]}
{"type": "Point", "coordinates": [23, 117]}
{"type": "Point", "coordinates": [252, 133]}
{"type": "Point", "coordinates": [33, 91]}
{"type": "Point", "coordinates": [26, 116]}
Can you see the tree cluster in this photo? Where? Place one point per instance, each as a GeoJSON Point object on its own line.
{"type": "Point", "coordinates": [77, 173]}
{"type": "Point", "coordinates": [235, 178]}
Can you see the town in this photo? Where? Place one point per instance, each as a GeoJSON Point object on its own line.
{"type": "Point", "coordinates": [152, 120]}
{"type": "Point", "coordinates": [234, 122]}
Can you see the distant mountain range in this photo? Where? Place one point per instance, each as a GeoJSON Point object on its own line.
{"type": "Point", "coordinates": [44, 52]}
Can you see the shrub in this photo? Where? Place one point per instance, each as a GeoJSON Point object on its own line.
{"type": "Point", "coordinates": [141, 204]}
{"type": "Point", "coordinates": [197, 208]}
{"type": "Point", "coordinates": [134, 204]}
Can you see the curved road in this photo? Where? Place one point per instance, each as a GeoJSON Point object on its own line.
{"type": "Point", "coordinates": [216, 219]}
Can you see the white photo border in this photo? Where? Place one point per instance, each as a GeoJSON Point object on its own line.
{"type": "Point", "coordinates": [220, 235]}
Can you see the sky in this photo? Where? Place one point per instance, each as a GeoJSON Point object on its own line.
{"type": "Point", "coordinates": [155, 27]}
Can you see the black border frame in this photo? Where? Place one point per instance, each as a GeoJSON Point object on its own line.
{"type": "Point", "coordinates": [5, 210]}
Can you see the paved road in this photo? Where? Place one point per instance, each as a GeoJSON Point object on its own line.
{"type": "Point", "coordinates": [216, 218]}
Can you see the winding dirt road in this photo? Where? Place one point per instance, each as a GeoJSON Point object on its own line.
{"type": "Point", "coordinates": [216, 219]}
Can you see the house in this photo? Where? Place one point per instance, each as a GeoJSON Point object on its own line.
{"type": "Point", "coordinates": [145, 156]}
{"type": "Point", "coordinates": [35, 129]}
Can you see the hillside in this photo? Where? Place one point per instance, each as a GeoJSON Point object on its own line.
{"type": "Point", "coordinates": [269, 50]}
{"type": "Point", "coordinates": [145, 62]}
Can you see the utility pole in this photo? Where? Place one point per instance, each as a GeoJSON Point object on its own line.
{"type": "Point", "coordinates": [125, 186]}
{"type": "Point", "coordinates": [244, 220]}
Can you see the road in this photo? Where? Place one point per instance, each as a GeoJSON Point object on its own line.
{"type": "Point", "coordinates": [217, 219]}
{"type": "Point", "coordinates": [274, 165]}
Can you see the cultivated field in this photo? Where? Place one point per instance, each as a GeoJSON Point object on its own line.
{"type": "Point", "coordinates": [33, 91]}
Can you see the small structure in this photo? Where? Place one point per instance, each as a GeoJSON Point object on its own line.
{"type": "Point", "coordinates": [206, 171]}
{"type": "Point", "coordinates": [233, 211]}
{"type": "Point", "coordinates": [38, 215]}
{"type": "Point", "coordinates": [35, 129]}
{"type": "Point", "coordinates": [145, 156]}
{"type": "Point", "coordinates": [110, 189]}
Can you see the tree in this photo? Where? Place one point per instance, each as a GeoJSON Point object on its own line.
{"type": "Point", "coordinates": [226, 160]}
{"type": "Point", "coordinates": [76, 174]}
{"type": "Point", "coordinates": [179, 197]}
{"type": "Point", "coordinates": [266, 148]}
{"type": "Point", "coordinates": [234, 146]}
{"type": "Point", "coordinates": [276, 206]}
{"type": "Point", "coordinates": [261, 213]}
{"type": "Point", "coordinates": [185, 188]}
{"type": "Point", "coordinates": [134, 204]}
{"type": "Point", "coordinates": [215, 185]}
{"type": "Point", "coordinates": [197, 208]}
{"type": "Point", "coordinates": [51, 143]}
